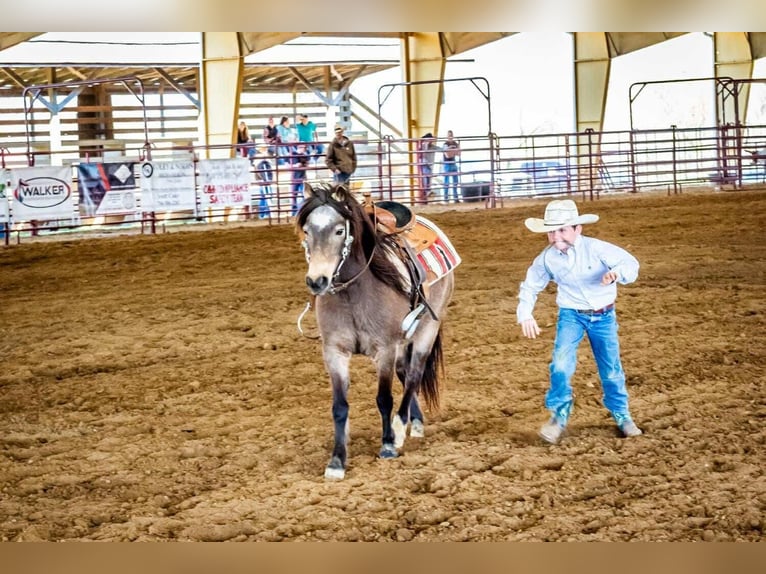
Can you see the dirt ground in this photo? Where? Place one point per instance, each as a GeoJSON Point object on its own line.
{"type": "Point", "coordinates": [156, 388]}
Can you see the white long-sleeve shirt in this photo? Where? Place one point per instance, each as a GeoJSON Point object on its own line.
{"type": "Point", "coordinates": [578, 274]}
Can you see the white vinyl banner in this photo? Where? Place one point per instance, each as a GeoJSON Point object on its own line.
{"type": "Point", "coordinates": [168, 186]}
{"type": "Point", "coordinates": [42, 193]}
{"type": "Point", "coordinates": [5, 189]}
{"type": "Point", "coordinates": [224, 182]}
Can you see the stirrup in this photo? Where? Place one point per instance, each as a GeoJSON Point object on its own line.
{"type": "Point", "coordinates": [412, 320]}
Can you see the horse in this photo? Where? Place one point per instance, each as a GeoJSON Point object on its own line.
{"type": "Point", "coordinates": [363, 305]}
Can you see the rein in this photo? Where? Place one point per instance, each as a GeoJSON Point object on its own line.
{"type": "Point", "coordinates": [335, 288]}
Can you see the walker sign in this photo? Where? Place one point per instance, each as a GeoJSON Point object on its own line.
{"type": "Point", "coordinates": [42, 193]}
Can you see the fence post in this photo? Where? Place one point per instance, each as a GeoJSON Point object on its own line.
{"type": "Point", "coordinates": [589, 133]}
{"type": "Point", "coordinates": [632, 142]}
{"type": "Point", "coordinates": [673, 128]}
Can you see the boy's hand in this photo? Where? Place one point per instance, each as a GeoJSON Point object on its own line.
{"type": "Point", "coordinates": [530, 329]}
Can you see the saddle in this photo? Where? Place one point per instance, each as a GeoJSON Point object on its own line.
{"type": "Point", "coordinates": [393, 218]}
{"type": "Point", "coordinates": [398, 221]}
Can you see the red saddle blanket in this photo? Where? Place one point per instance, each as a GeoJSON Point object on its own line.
{"type": "Point", "coordinates": [432, 248]}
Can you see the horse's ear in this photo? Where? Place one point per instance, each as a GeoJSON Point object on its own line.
{"type": "Point", "coordinates": [308, 191]}
{"type": "Point", "coordinates": [341, 192]}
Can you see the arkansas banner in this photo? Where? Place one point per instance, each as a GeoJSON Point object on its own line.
{"type": "Point", "coordinates": [106, 188]}
{"type": "Point", "coordinates": [168, 186]}
{"type": "Point", "coordinates": [224, 182]}
{"type": "Point", "coordinates": [42, 193]}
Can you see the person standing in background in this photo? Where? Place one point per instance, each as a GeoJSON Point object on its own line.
{"type": "Point", "coordinates": [271, 136]}
{"type": "Point", "coordinates": [307, 133]}
{"type": "Point", "coordinates": [299, 164]}
{"type": "Point", "coordinates": [264, 175]}
{"type": "Point", "coordinates": [287, 135]}
{"type": "Point", "coordinates": [341, 157]}
{"type": "Point", "coordinates": [426, 156]}
{"type": "Point", "coordinates": [451, 180]}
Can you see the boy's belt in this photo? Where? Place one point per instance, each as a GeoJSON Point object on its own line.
{"type": "Point", "coordinates": [596, 311]}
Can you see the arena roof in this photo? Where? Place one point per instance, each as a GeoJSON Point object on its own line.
{"type": "Point", "coordinates": [39, 58]}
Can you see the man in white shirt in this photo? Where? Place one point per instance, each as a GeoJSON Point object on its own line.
{"type": "Point", "coordinates": [586, 271]}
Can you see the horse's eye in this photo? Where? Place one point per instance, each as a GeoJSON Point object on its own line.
{"type": "Point", "coordinates": [340, 231]}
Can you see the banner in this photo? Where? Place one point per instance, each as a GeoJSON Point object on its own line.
{"type": "Point", "coordinates": [168, 186]}
{"type": "Point", "coordinates": [106, 188]}
{"type": "Point", "coordinates": [5, 215]}
{"type": "Point", "coordinates": [42, 193]}
{"type": "Point", "coordinates": [224, 182]}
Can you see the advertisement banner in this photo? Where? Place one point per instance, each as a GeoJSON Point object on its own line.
{"type": "Point", "coordinates": [168, 186]}
{"type": "Point", "coordinates": [5, 216]}
{"type": "Point", "coordinates": [42, 193]}
{"type": "Point", "coordinates": [224, 182]}
{"type": "Point", "coordinates": [106, 188]}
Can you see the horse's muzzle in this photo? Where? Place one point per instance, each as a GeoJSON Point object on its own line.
{"type": "Point", "coordinates": [319, 285]}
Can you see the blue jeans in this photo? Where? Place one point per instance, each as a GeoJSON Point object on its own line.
{"type": "Point", "coordinates": [602, 334]}
{"type": "Point", "coordinates": [341, 177]}
{"type": "Point", "coordinates": [297, 189]}
{"type": "Point", "coordinates": [426, 171]}
{"type": "Point", "coordinates": [450, 180]}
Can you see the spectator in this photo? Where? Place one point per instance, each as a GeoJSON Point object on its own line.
{"type": "Point", "coordinates": [307, 133]}
{"type": "Point", "coordinates": [271, 136]}
{"type": "Point", "coordinates": [300, 163]}
{"type": "Point", "coordinates": [451, 152]}
{"type": "Point", "coordinates": [244, 141]}
{"type": "Point", "coordinates": [426, 151]}
{"type": "Point", "coordinates": [586, 271]}
{"type": "Point", "coordinates": [264, 175]}
{"type": "Point", "coordinates": [287, 135]}
{"type": "Point", "coordinates": [341, 157]}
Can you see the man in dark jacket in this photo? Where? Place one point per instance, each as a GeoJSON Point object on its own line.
{"type": "Point", "coordinates": [341, 157]}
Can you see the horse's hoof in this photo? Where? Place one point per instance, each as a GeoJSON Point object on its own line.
{"type": "Point", "coordinates": [417, 429]}
{"type": "Point", "coordinates": [400, 431]}
{"type": "Point", "coordinates": [388, 451]}
{"type": "Point", "coordinates": [334, 473]}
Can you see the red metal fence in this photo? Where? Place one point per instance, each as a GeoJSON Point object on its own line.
{"type": "Point", "coordinates": [492, 169]}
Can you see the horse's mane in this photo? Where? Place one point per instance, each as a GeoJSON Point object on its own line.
{"type": "Point", "coordinates": [368, 241]}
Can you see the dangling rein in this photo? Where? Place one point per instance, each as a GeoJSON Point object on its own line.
{"type": "Point", "coordinates": [309, 306]}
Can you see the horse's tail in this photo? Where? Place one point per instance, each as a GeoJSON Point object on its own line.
{"type": "Point", "coordinates": [434, 367]}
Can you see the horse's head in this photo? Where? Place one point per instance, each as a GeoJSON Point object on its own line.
{"type": "Point", "coordinates": [329, 220]}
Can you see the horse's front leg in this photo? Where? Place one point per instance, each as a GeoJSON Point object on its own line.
{"type": "Point", "coordinates": [385, 400]}
{"type": "Point", "coordinates": [338, 366]}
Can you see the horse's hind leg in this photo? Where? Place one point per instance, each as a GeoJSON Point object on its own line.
{"type": "Point", "coordinates": [417, 355]}
{"type": "Point", "coordinates": [337, 366]}
{"type": "Point", "coordinates": [417, 421]}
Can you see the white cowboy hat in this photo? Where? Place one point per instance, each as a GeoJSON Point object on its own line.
{"type": "Point", "coordinates": [559, 213]}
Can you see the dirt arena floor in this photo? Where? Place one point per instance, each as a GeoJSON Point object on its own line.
{"type": "Point", "coordinates": [155, 388]}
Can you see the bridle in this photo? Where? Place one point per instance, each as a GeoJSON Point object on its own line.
{"type": "Point", "coordinates": [336, 287]}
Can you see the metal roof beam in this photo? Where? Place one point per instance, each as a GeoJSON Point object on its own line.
{"type": "Point", "coordinates": [177, 87]}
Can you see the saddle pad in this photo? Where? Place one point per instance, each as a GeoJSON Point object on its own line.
{"type": "Point", "coordinates": [439, 256]}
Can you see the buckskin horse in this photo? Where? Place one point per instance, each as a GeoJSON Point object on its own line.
{"type": "Point", "coordinates": [379, 291]}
